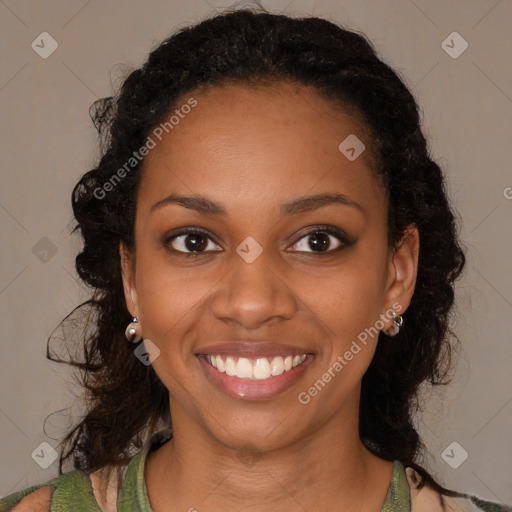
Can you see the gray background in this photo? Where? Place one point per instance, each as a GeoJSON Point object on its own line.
{"type": "Point", "coordinates": [48, 141]}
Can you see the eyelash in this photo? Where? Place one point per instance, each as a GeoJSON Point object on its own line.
{"type": "Point", "coordinates": [337, 233]}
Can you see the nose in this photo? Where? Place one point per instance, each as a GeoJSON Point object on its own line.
{"type": "Point", "coordinates": [253, 294]}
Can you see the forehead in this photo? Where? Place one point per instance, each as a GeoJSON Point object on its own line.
{"type": "Point", "coordinates": [239, 141]}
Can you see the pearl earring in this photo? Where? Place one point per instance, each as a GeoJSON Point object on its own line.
{"type": "Point", "coordinates": [133, 331]}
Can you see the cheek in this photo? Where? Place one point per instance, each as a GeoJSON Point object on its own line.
{"type": "Point", "coordinates": [170, 306]}
{"type": "Point", "coordinates": [346, 302]}
{"type": "Point", "coordinates": [347, 308]}
{"type": "Point", "coordinates": [170, 300]}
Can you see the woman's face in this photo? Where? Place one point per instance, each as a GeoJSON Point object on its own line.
{"type": "Point", "coordinates": [258, 171]}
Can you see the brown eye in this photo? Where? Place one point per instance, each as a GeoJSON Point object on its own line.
{"type": "Point", "coordinates": [192, 241]}
{"type": "Point", "coordinates": [319, 241]}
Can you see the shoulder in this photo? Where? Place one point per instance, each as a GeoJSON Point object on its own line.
{"type": "Point", "coordinates": [36, 501]}
{"type": "Point", "coordinates": [96, 491]}
{"type": "Point", "coordinates": [425, 498]}
{"type": "Point", "coordinates": [32, 499]}
{"type": "Point", "coordinates": [70, 488]}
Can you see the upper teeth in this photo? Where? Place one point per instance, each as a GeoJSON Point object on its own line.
{"type": "Point", "coordinates": [262, 368]}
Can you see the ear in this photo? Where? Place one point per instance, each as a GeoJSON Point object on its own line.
{"type": "Point", "coordinates": [402, 272]}
{"type": "Point", "coordinates": [128, 274]}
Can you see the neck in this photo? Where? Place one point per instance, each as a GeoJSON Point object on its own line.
{"type": "Point", "coordinates": [328, 470]}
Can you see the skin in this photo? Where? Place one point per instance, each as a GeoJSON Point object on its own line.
{"type": "Point", "coordinates": [251, 150]}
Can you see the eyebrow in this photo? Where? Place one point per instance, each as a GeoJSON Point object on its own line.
{"type": "Point", "coordinates": [300, 205]}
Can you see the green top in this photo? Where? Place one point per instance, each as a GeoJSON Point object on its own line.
{"type": "Point", "coordinates": [73, 491]}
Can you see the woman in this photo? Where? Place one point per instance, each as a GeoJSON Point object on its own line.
{"type": "Point", "coordinates": [273, 256]}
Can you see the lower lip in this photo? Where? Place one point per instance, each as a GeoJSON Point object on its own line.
{"type": "Point", "coordinates": [254, 389]}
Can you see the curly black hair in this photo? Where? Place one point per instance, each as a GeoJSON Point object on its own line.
{"type": "Point", "coordinates": [252, 46]}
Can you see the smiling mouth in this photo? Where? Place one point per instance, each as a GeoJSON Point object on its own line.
{"type": "Point", "coordinates": [254, 368]}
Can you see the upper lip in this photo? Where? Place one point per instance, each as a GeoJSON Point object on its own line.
{"type": "Point", "coordinates": [252, 349]}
